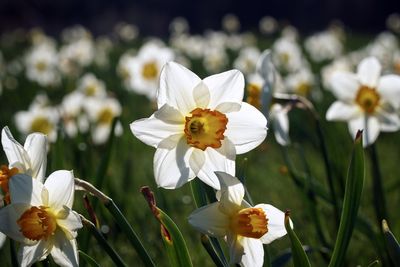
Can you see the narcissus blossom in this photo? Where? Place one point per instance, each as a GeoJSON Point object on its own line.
{"type": "Point", "coordinates": [30, 159]}
{"type": "Point", "coordinates": [366, 100]}
{"type": "Point", "coordinates": [246, 228]}
{"type": "Point", "coordinates": [200, 126]}
{"type": "Point", "coordinates": [40, 216]}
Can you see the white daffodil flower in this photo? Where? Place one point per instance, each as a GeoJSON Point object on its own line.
{"type": "Point", "coordinates": [40, 216]}
{"type": "Point", "coordinates": [366, 100]}
{"type": "Point", "coordinates": [246, 228]}
{"type": "Point", "coordinates": [200, 126]}
{"type": "Point", "coordinates": [30, 159]}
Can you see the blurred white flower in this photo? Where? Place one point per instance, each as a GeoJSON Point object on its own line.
{"type": "Point", "coordinates": [90, 86]}
{"type": "Point", "coordinates": [268, 25]}
{"type": "Point", "coordinates": [230, 23]}
{"type": "Point", "coordinates": [126, 32]}
{"type": "Point", "coordinates": [324, 46]}
{"type": "Point", "coordinates": [200, 126]}
{"type": "Point", "coordinates": [215, 59]}
{"type": "Point", "coordinates": [246, 228]}
{"type": "Point", "coordinates": [38, 118]}
{"type": "Point", "coordinates": [366, 100]}
{"type": "Point", "coordinates": [76, 55]}
{"type": "Point", "coordinates": [41, 218]}
{"type": "Point", "coordinates": [101, 112]}
{"type": "Point", "coordinates": [41, 65]}
{"type": "Point", "coordinates": [300, 82]}
{"type": "Point", "coordinates": [393, 22]}
{"type": "Point", "coordinates": [71, 109]}
{"type": "Point", "coordinates": [178, 26]}
{"type": "Point", "coordinates": [287, 55]}
{"type": "Point", "coordinates": [143, 70]}
{"type": "Point", "coordinates": [247, 60]}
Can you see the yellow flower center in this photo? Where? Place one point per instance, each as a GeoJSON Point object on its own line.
{"type": "Point", "coordinates": [205, 128]}
{"type": "Point", "coordinates": [303, 89]}
{"type": "Point", "coordinates": [368, 99]}
{"type": "Point", "coordinates": [254, 95]}
{"type": "Point", "coordinates": [284, 58]}
{"type": "Point", "coordinates": [41, 66]}
{"type": "Point", "coordinates": [5, 176]}
{"type": "Point", "coordinates": [105, 116]}
{"type": "Point", "coordinates": [150, 70]}
{"type": "Point", "coordinates": [397, 67]}
{"type": "Point", "coordinates": [90, 90]}
{"type": "Point", "coordinates": [250, 222]}
{"type": "Point", "coordinates": [42, 125]}
{"type": "Point", "coordinates": [37, 223]}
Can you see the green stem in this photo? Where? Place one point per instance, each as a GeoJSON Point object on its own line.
{"type": "Point", "coordinates": [103, 242]}
{"type": "Point", "coordinates": [13, 253]}
{"type": "Point", "coordinates": [206, 242]}
{"type": "Point", "coordinates": [378, 195]}
{"type": "Point", "coordinates": [129, 232]}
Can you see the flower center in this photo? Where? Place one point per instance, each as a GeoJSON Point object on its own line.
{"type": "Point", "coordinates": [41, 66]}
{"type": "Point", "coordinates": [368, 99]}
{"type": "Point", "coordinates": [254, 95]}
{"type": "Point", "coordinates": [303, 89]}
{"type": "Point", "coordinates": [42, 125]}
{"type": "Point", "coordinates": [205, 128]}
{"type": "Point", "coordinates": [105, 116]}
{"type": "Point", "coordinates": [37, 223]}
{"type": "Point", "coordinates": [90, 90]}
{"type": "Point", "coordinates": [5, 176]}
{"type": "Point", "coordinates": [150, 70]}
{"type": "Point", "coordinates": [250, 222]}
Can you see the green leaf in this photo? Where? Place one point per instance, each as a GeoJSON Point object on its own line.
{"type": "Point", "coordinates": [392, 245]}
{"type": "Point", "coordinates": [88, 259]}
{"type": "Point", "coordinates": [299, 255]}
{"type": "Point", "coordinates": [169, 231]}
{"type": "Point", "coordinates": [351, 202]}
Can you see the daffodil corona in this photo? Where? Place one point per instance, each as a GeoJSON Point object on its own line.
{"type": "Point", "coordinates": [200, 126]}
{"type": "Point", "coordinates": [246, 228]}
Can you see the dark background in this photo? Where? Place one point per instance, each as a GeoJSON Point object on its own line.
{"type": "Point", "coordinates": [153, 16]}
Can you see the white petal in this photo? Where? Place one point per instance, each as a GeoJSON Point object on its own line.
{"type": "Point", "coordinates": [232, 193]}
{"type": "Point", "coordinates": [197, 160]}
{"type": "Point", "coordinates": [222, 159]}
{"type": "Point", "coordinates": [344, 85]}
{"type": "Point", "coordinates": [27, 255]}
{"type": "Point", "coordinates": [176, 87]}
{"type": "Point", "coordinates": [69, 222]}
{"type": "Point", "coordinates": [368, 72]}
{"type": "Point", "coordinates": [388, 122]}
{"type": "Point", "coordinates": [8, 221]}
{"type": "Point", "coordinates": [253, 255]}
{"type": "Point", "coordinates": [165, 122]}
{"type": "Point", "coordinates": [36, 147]}
{"type": "Point", "coordinates": [246, 128]}
{"type": "Point", "coordinates": [389, 89]}
{"type": "Point", "coordinates": [340, 111]}
{"type": "Point", "coordinates": [276, 223]}
{"type": "Point", "coordinates": [210, 220]}
{"type": "Point", "coordinates": [225, 87]}
{"type": "Point", "coordinates": [280, 122]}
{"type": "Point", "coordinates": [15, 152]}
{"type": "Point", "coordinates": [171, 166]}
{"type": "Point", "coordinates": [25, 190]}
{"type": "Point", "coordinates": [60, 185]}
{"type": "Point", "coordinates": [170, 142]}
{"type": "Point", "coordinates": [370, 132]}
{"type": "Point", "coordinates": [201, 95]}
{"type": "Point", "coordinates": [65, 252]}
{"type": "Point", "coordinates": [227, 107]}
